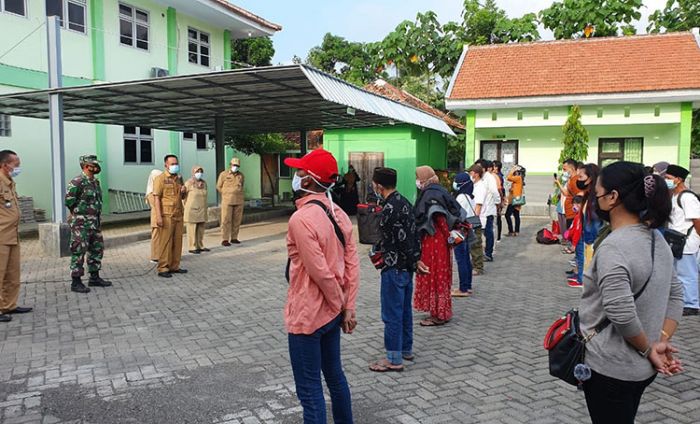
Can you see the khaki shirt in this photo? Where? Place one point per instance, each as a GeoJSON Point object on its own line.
{"type": "Point", "coordinates": [9, 212]}
{"type": "Point", "coordinates": [195, 202]}
{"type": "Point", "coordinates": [167, 187]}
{"type": "Point", "coordinates": [230, 186]}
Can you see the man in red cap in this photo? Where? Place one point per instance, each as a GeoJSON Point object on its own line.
{"type": "Point", "coordinates": [323, 283]}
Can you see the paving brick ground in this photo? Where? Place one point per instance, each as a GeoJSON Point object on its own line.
{"type": "Point", "coordinates": [210, 347]}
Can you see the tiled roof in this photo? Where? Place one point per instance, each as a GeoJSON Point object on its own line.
{"type": "Point", "coordinates": [385, 89]}
{"type": "Point", "coordinates": [248, 15]}
{"type": "Point", "coordinates": [585, 66]}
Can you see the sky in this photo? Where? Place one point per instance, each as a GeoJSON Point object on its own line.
{"type": "Point", "coordinates": [305, 22]}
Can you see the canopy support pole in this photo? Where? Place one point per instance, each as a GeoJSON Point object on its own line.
{"type": "Point", "coordinates": [219, 150]}
{"type": "Point", "coordinates": [303, 142]}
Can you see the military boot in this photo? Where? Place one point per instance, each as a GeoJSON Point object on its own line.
{"type": "Point", "coordinates": [96, 281]}
{"type": "Point", "coordinates": [78, 286]}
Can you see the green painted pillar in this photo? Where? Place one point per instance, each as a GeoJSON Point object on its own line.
{"type": "Point", "coordinates": [470, 138]}
{"type": "Point", "coordinates": [171, 17]}
{"type": "Point", "coordinates": [227, 50]}
{"type": "Point", "coordinates": [97, 39]}
{"type": "Point", "coordinates": [686, 131]}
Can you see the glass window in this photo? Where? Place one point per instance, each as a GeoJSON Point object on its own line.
{"type": "Point", "coordinates": [285, 171]}
{"type": "Point", "coordinates": [198, 47]}
{"type": "Point", "coordinates": [202, 141]}
{"type": "Point", "coordinates": [546, 115]}
{"type": "Point", "coordinates": [657, 110]}
{"type": "Point", "coordinates": [615, 149]}
{"type": "Point", "coordinates": [520, 115]}
{"type": "Point", "coordinates": [16, 7]}
{"type": "Point", "coordinates": [76, 15]}
{"type": "Point", "coordinates": [133, 27]}
{"type": "Point", "coordinates": [55, 8]}
{"type": "Point", "coordinates": [494, 116]}
{"type": "Point", "coordinates": [188, 136]}
{"type": "Point", "coordinates": [5, 126]}
{"type": "Point", "coordinates": [138, 145]}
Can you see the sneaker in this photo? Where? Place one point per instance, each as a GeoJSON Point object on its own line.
{"type": "Point", "coordinates": [689, 311]}
{"type": "Point", "coordinates": [488, 258]}
{"type": "Point", "coordinates": [573, 282]}
{"type": "Point", "coordinates": [5, 318]}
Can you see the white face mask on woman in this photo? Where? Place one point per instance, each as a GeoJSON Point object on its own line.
{"type": "Point", "coordinates": [419, 185]}
{"type": "Point", "coordinates": [199, 175]}
{"type": "Point", "coordinates": [234, 168]}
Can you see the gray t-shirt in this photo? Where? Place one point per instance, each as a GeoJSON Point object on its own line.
{"type": "Point", "coordinates": [620, 267]}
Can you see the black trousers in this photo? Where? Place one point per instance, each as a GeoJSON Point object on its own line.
{"type": "Point", "coordinates": [513, 212]}
{"type": "Point", "coordinates": [613, 401]}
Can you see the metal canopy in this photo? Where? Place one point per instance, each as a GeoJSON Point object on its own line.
{"type": "Point", "coordinates": [254, 100]}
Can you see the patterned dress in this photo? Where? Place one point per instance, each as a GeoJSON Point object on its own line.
{"type": "Point", "coordinates": [432, 292]}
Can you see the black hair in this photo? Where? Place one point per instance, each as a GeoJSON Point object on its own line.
{"type": "Point", "coordinates": [580, 165]}
{"type": "Point", "coordinates": [498, 164]}
{"type": "Point", "coordinates": [628, 179]}
{"type": "Point", "coordinates": [570, 162]}
{"type": "Point", "coordinates": [577, 199]}
{"type": "Point", "coordinates": [168, 156]}
{"type": "Point", "coordinates": [5, 156]}
{"type": "Point", "coordinates": [592, 171]}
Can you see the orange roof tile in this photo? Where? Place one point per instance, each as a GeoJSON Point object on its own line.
{"type": "Point", "coordinates": [248, 15]}
{"type": "Point", "coordinates": [392, 92]}
{"type": "Point", "coordinates": [584, 66]}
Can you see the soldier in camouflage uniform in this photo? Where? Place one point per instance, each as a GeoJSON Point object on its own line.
{"type": "Point", "coordinates": [84, 201]}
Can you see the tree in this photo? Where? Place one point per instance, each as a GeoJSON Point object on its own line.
{"type": "Point", "coordinates": [568, 18]}
{"type": "Point", "coordinates": [253, 51]}
{"type": "Point", "coordinates": [261, 144]}
{"type": "Point", "coordinates": [680, 15]}
{"type": "Point", "coordinates": [575, 138]}
{"type": "Point", "coordinates": [350, 61]}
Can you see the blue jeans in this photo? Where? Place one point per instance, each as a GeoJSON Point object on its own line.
{"type": "Point", "coordinates": [580, 257]}
{"type": "Point", "coordinates": [687, 270]}
{"type": "Point", "coordinates": [311, 354]}
{"type": "Point", "coordinates": [464, 266]}
{"type": "Point", "coordinates": [397, 314]}
{"type": "Point", "coordinates": [488, 233]}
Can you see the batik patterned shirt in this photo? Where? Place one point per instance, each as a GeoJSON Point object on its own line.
{"type": "Point", "coordinates": [400, 243]}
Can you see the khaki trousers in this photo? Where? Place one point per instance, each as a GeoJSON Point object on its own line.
{"type": "Point", "coordinates": [154, 243]}
{"type": "Point", "coordinates": [195, 235]}
{"type": "Point", "coordinates": [476, 250]}
{"type": "Point", "coordinates": [9, 277]}
{"type": "Point", "coordinates": [231, 217]}
{"type": "Point", "coordinates": [169, 242]}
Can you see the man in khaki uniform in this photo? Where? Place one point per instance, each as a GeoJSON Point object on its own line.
{"type": "Point", "coordinates": [9, 237]}
{"type": "Point", "coordinates": [168, 192]}
{"type": "Point", "coordinates": [230, 185]}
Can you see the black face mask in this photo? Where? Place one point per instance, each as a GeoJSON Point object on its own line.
{"type": "Point", "coordinates": [581, 185]}
{"type": "Point", "coordinates": [604, 215]}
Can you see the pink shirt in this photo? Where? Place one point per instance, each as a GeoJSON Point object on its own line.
{"type": "Point", "coordinates": [324, 277]}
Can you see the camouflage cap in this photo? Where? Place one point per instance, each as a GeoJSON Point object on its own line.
{"type": "Point", "coordinates": [89, 160]}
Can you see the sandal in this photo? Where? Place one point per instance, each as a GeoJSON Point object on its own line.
{"type": "Point", "coordinates": [459, 293]}
{"type": "Point", "coordinates": [410, 357]}
{"type": "Point", "coordinates": [384, 366]}
{"type": "Point", "coordinates": [432, 322]}
{"type": "Point", "coordinates": [567, 251]}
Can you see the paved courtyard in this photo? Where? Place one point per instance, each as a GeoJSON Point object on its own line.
{"type": "Point", "coordinates": [210, 346]}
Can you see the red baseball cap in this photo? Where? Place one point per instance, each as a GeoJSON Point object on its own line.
{"type": "Point", "coordinates": [318, 163]}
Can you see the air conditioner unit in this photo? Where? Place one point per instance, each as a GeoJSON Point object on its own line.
{"type": "Point", "coordinates": [159, 72]}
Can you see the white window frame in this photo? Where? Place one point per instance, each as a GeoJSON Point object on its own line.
{"type": "Point", "coordinates": [26, 12]}
{"type": "Point", "coordinates": [199, 44]}
{"type": "Point", "coordinates": [65, 17]}
{"type": "Point", "coordinates": [134, 23]}
{"type": "Point", "coordinates": [5, 126]}
{"type": "Point", "coordinates": [138, 138]}
{"type": "Point", "coordinates": [194, 137]}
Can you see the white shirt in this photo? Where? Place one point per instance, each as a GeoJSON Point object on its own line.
{"type": "Point", "coordinates": [494, 196]}
{"type": "Point", "coordinates": [467, 203]}
{"type": "Point", "coordinates": [485, 199]}
{"type": "Point", "coordinates": [682, 219]}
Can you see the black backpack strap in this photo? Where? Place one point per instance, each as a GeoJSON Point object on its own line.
{"type": "Point", "coordinates": [336, 227]}
{"type": "Point", "coordinates": [600, 327]}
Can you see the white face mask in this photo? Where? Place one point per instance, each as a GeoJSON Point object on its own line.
{"type": "Point", "coordinates": [419, 185]}
{"type": "Point", "coordinates": [174, 169]}
{"type": "Point", "coordinates": [455, 186]}
{"type": "Point", "coordinates": [15, 172]}
{"type": "Point", "coordinates": [296, 182]}
{"type": "Point", "coordinates": [234, 168]}
{"type": "Point", "coordinates": [198, 175]}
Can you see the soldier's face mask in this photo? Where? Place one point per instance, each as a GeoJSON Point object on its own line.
{"type": "Point", "coordinates": [95, 169]}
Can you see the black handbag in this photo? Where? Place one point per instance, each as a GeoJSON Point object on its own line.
{"type": "Point", "coordinates": [676, 240]}
{"type": "Point", "coordinates": [473, 220]}
{"type": "Point", "coordinates": [567, 344]}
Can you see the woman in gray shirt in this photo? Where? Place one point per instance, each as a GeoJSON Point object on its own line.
{"type": "Point", "coordinates": [627, 354]}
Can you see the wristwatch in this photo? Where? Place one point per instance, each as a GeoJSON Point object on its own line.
{"type": "Point", "coordinates": [645, 353]}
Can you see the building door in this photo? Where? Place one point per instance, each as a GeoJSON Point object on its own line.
{"type": "Point", "coordinates": [268, 165]}
{"type": "Point", "coordinates": [364, 164]}
{"type": "Point", "coordinates": [505, 151]}
{"type": "Point", "coordinates": [615, 149]}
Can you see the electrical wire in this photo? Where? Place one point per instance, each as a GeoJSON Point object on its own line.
{"type": "Point", "coordinates": [22, 40]}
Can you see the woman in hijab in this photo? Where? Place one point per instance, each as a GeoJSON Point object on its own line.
{"type": "Point", "coordinates": [464, 188]}
{"type": "Point", "coordinates": [436, 213]}
{"type": "Point", "coordinates": [196, 210]}
{"type": "Point", "coordinates": [154, 225]}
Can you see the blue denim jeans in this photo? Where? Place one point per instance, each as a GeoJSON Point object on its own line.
{"type": "Point", "coordinates": [397, 314]}
{"type": "Point", "coordinates": [687, 270]}
{"type": "Point", "coordinates": [311, 354]}
{"type": "Point", "coordinates": [579, 259]}
{"type": "Point", "coordinates": [464, 266]}
{"type": "Point", "coordinates": [488, 233]}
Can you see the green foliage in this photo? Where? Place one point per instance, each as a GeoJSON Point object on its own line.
{"type": "Point", "coordinates": [678, 15]}
{"type": "Point", "coordinates": [695, 136]}
{"type": "Point", "coordinates": [456, 148]}
{"type": "Point", "coordinates": [575, 138]}
{"type": "Point", "coordinates": [568, 18]}
{"type": "Point", "coordinates": [260, 144]}
{"type": "Point", "coordinates": [488, 24]}
{"type": "Point", "coordinates": [253, 51]}
{"type": "Point", "coordinates": [348, 60]}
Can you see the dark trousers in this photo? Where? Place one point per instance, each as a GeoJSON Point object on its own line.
{"type": "Point", "coordinates": [488, 234]}
{"type": "Point", "coordinates": [513, 212]}
{"type": "Point", "coordinates": [464, 266]}
{"type": "Point", "coordinates": [499, 225]}
{"type": "Point", "coordinates": [397, 313]}
{"type": "Point", "coordinates": [311, 354]}
{"type": "Point", "coordinates": [613, 401]}
{"type": "Point", "coordinates": [477, 250]}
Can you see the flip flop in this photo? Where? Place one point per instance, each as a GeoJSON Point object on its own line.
{"type": "Point", "coordinates": [382, 367]}
{"type": "Point", "coordinates": [458, 293]}
{"type": "Point", "coordinates": [432, 323]}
